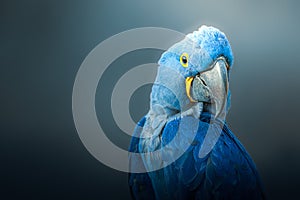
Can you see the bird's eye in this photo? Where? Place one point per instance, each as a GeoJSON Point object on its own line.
{"type": "Point", "coordinates": [184, 59]}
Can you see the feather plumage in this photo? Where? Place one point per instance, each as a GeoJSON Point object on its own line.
{"type": "Point", "coordinates": [227, 172]}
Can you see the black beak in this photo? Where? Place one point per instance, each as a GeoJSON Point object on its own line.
{"type": "Point", "coordinates": [210, 86]}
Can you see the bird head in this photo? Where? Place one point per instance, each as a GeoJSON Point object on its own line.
{"type": "Point", "coordinates": [195, 70]}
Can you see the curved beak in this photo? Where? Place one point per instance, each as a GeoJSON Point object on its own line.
{"type": "Point", "coordinates": [210, 86]}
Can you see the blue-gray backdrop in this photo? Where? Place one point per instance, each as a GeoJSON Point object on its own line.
{"type": "Point", "coordinates": [43, 44]}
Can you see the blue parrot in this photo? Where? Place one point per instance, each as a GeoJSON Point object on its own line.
{"type": "Point", "coordinates": [187, 149]}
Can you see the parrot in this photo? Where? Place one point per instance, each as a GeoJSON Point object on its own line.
{"type": "Point", "coordinates": [186, 147]}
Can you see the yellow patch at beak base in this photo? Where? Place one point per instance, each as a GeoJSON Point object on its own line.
{"type": "Point", "coordinates": [188, 84]}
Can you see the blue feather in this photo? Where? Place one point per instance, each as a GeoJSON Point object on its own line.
{"type": "Point", "coordinates": [227, 172]}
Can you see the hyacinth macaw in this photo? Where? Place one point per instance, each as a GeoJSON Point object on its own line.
{"type": "Point", "coordinates": [189, 101]}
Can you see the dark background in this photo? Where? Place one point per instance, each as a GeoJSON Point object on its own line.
{"type": "Point", "coordinates": [43, 44]}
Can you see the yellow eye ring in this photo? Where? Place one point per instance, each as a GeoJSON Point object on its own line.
{"type": "Point", "coordinates": [184, 59]}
